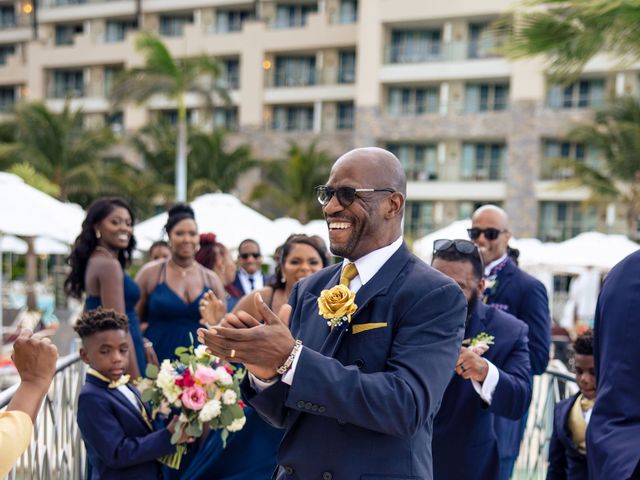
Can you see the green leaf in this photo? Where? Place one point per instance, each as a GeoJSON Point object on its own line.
{"type": "Point", "coordinates": [152, 371]}
{"type": "Point", "coordinates": [147, 395]}
{"type": "Point", "coordinates": [194, 429]}
{"type": "Point", "coordinates": [236, 411]}
{"type": "Point", "coordinates": [224, 435]}
{"type": "Point", "coordinates": [177, 433]}
{"type": "Point", "coordinates": [181, 350]}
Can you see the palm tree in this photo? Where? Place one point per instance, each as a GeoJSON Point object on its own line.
{"type": "Point", "coordinates": [615, 132]}
{"type": "Point", "coordinates": [213, 166]}
{"type": "Point", "coordinates": [289, 183]}
{"type": "Point", "coordinates": [59, 147]}
{"type": "Point", "coordinates": [162, 74]}
{"type": "Point", "coordinates": [571, 32]}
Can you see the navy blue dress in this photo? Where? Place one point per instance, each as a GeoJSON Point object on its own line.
{"type": "Point", "coordinates": [171, 320]}
{"type": "Point", "coordinates": [131, 297]}
{"type": "Point", "coordinates": [250, 454]}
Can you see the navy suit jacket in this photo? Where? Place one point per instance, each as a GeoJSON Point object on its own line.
{"type": "Point", "coordinates": [524, 297]}
{"type": "Point", "coordinates": [565, 461]}
{"type": "Point", "coordinates": [361, 405]}
{"type": "Point", "coordinates": [119, 443]}
{"type": "Point", "coordinates": [613, 436]}
{"type": "Point", "coordinates": [238, 284]}
{"type": "Point", "coordinates": [465, 420]}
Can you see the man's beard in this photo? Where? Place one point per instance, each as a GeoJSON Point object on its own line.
{"type": "Point", "coordinates": [471, 305]}
{"type": "Point", "coordinates": [346, 250]}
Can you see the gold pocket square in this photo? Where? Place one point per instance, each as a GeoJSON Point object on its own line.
{"type": "Point", "coordinates": [363, 327]}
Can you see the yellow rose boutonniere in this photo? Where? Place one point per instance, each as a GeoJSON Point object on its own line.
{"type": "Point", "coordinates": [337, 305]}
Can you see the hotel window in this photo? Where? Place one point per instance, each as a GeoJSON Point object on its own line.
{"type": "Point", "coordinates": [580, 94]}
{"type": "Point", "coordinates": [7, 98]}
{"type": "Point", "coordinates": [231, 20]}
{"type": "Point", "coordinates": [560, 221]}
{"type": "Point", "coordinates": [293, 15]}
{"type": "Point", "coordinates": [483, 41]}
{"type": "Point", "coordinates": [295, 71]}
{"type": "Point", "coordinates": [69, 2]}
{"type": "Point", "coordinates": [552, 167]}
{"type": "Point", "coordinates": [413, 100]}
{"type": "Point", "coordinates": [486, 97]}
{"type": "Point", "coordinates": [414, 46]}
{"type": "Point", "coordinates": [292, 119]}
{"type": "Point", "coordinates": [346, 116]}
{"type": "Point", "coordinates": [7, 16]}
{"type": "Point", "coordinates": [67, 83]}
{"type": "Point", "coordinates": [111, 72]}
{"type": "Point", "coordinates": [116, 30]}
{"type": "Point", "coordinates": [419, 217]}
{"type": "Point", "coordinates": [347, 66]}
{"type": "Point", "coordinates": [348, 11]}
{"type": "Point", "coordinates": [482, 161]}
{"type": "Point", "coordinates": [5, 51]}
{"type": "Point", "coordinates": [226, 118]}
{"type": "Point", "coordinates": [65, 33]}
{"type": "Point", "coordinates": [420, 162]}
{"type": "Point", "coordinates": [171, 116]}
{"type": "Point", "coordinates": [229, 74]}
{"type": "Point", "coordinates": [173, 25]}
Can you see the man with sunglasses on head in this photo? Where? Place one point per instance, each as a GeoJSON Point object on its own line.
{"type": "Point", "coordinates": [356, 396]}
{"type": "Point", "coordinates": [249, 276]}
{"type": "Point", "coordinates": [486, 383]}
{"type": "Point", "coordinates": [513, 291]}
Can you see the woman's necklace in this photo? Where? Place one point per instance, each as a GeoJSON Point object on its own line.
{"type": "Point", "coordinates": [183, 270]}
{"type": "Point", "coordinates": [106, 250]}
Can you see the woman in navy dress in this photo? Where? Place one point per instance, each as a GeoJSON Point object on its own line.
{"type": "Point", "coordinates": [98, 260]}
{"type": "Point", "coordinates": [250, 454]}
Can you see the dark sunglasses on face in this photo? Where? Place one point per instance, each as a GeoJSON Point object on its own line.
{"type": "Point", "coordinates": [489, 233]}
{"type": "Point", "coordinates": [462, 246]}
{"type": "Point", "coordinates": [245, 256]}
{"type": "Point", "coordinates": [345, 195]}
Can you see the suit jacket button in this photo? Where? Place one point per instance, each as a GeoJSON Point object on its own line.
{"type": "Point", "coordinates": [327, 476]}
{"type": "Point", "coordinates": [308, 405]}
{"type": "Point", "coordinates": [314, 407]}
{"type": "Point", "coordinates": [288, 470]}
{"type": "Point", "coordinates": [300, 404]}
{"type": "Point", "coordinates": [321, 409]}
{"type": "Point", "coordinates": [359, 363]}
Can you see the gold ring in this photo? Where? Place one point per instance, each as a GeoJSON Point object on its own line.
{"type": "Point", "coordinates": [233, 353]}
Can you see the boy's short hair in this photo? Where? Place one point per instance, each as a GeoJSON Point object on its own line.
{"type": "Point", "coordinates": [100, 320]}
{"type": "Point", "coordinates": [583, 345]}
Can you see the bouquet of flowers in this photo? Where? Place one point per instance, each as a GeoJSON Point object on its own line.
{"type": "Point", "coordinates": [202, 389]}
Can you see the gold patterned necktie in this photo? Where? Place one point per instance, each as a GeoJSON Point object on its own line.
{"type": "Point", "coordinates": [349, 272]}
{"type": "Point", "coordinates": [123, 380]}
{"type": "Point", "coordinates": [586, 404]}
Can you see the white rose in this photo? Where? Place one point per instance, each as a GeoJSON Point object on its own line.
{"type": "Point", "coordinates": [229, 397]}
{"type": "Point", "coordinates": [210, 410]}
{"type": "Point", "coordinates": [237, 424]}
{"type": "Point", "coordinates": [223, 376]}
{"type": "Point", "coordinates": [200, 351]}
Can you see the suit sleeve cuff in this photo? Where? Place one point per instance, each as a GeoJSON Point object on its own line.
{"type": "Point", "coordinates": [486, 389]}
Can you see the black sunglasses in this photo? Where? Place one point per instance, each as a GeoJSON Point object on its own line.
{"type": "Point", "coordinates": [465, 247]}
{"type": "Point", "coordinates": [345, 195]}
{"type": "Point", "coordinates": [489, 233]}
{"type": "Point", "coordinates": [244, 256]}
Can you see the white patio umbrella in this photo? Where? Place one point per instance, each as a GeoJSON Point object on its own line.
{"type": "Point", "coordinates": [42, 246]}
{"type": "Point", "coordinates": [28, 212]}
{"type": "Point", "coordinates": [222, 214]}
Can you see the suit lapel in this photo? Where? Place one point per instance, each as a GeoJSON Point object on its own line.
{"type": "Point", "coordinates": [502, 281]}
{"type": "Point", "coordinates": [127, 403]}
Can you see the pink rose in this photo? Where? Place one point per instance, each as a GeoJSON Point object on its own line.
{"type": "Point", "coordinates": [205, 375]}
{"type": "Point", "coordinates": [194, 397]}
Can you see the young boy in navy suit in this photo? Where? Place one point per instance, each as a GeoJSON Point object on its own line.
{"type": "Point", "coordinates": [114, 422]}
{"type": "Point", "coordinates": [567, 450]}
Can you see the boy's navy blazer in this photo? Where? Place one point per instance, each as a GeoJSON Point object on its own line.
{"type": "Point", "coordinates": [613, 436]}
{"type": "Point", "coordinates": [119, 443]}
{"type": "Point", "coordinates": [524, 297]}
{"type": "Point", "coordinates": [464, 441]}
{"type": "Point", "coordinates": [565, 461]}
{"type": "Point", "coordinates": [361, 405]}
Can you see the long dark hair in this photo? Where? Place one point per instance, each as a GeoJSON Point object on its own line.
{"type": "Point", "coordinates": [86, 243]}
{"type": "Point", "coordinates": [285, 250]}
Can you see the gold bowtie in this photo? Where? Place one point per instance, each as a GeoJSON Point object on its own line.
{"type": "Point", "coordinates": [349, 272]}
{"type": "Point", "coordinates": [123, 380]}
{"type": "Point", "coordinates": [585, 403]}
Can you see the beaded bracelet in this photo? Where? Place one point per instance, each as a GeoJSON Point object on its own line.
{"type": "Point", "coordinates": [289, 361]}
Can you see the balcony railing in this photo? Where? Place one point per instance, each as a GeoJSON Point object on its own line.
{"type": "Point", "coordinates": [442, 52]}
{"type": "Point", "coordinates": [310, 77]}
{"type": "Point", "coordinates": [56, 450]}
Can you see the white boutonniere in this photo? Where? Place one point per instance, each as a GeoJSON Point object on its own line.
{"type": "Point", "coordinates": [480, 343]}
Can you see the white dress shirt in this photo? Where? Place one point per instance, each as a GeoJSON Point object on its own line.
{"type": "Point", "coordinates": [123, 389]}
{"type": "Point", "coordinates": [488, 268]}
{"type": "Point", "coordinates": [367, 267]}
{"type": "Point", "coordinates": [486, 389]}
{"type": "Point", "coordinates": [258, 280]}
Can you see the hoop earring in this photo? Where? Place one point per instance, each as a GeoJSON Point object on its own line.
{"type": "Point", "coordinates": [98, 234]}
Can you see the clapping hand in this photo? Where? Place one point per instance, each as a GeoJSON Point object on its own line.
{"type": "Point", "coordinates": [212, 309]}
{"type": "Point", "coordinates": [261, 347]}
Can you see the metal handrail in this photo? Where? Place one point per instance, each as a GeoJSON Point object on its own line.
{"type": "Point", "coordinates": [548, 389]}
{"type": "Point", "coordinates": [56, 450]}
